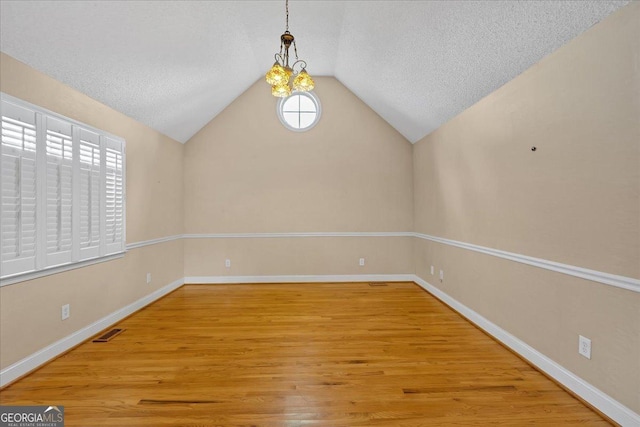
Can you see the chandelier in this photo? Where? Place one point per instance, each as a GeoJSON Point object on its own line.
{"type": "Point", "coordinates": [281, 73]}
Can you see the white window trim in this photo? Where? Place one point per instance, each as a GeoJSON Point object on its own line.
{"type": "Point", "coordinates": [314, 98]}
{"type": "Point", "coordinates": [35, 274]}
{"type": "Point", "coordinates": [41, 268]}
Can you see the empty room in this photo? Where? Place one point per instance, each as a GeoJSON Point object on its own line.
{"type": "Point", "coordinates": [320, 213]}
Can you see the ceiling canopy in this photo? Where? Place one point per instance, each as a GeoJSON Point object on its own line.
{"type": "Point", "coordinates": [174, 65]}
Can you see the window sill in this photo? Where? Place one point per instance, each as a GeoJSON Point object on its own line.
{"type": "Point", "coordinates": [30, 275]}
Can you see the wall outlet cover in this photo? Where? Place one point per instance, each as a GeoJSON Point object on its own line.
{"type": "Point", "coordinates": [584, 346]}
{"type": "Point", "coordinates": [66, 311]}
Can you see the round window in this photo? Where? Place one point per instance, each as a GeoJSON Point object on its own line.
{"type": "Point", "coordinates": [300, 111]}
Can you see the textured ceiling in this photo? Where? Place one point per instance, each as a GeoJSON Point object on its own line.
{"type": "Point", "coordinates": [174, 65]}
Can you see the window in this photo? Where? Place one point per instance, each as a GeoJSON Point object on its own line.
{"type": "Point", "coordinates": [62, 190]}
{"type": "Point", "coordinates": [300, 111]}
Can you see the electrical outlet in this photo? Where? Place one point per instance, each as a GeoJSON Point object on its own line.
{"type": "Point", "coordinates": [148, 278]}
{"type": "Point", "coordinates": [584, 346]}
{"type": "Point", "coordinates": [441, 275]}
{"type": "Point", "coordinates": [361, 262]}
{"type": "Point", "coordinates": [66, 311]}
{"type": "Point", "coordinates": [227, 263]}
{"type": "Point", "coordinates": [432, 270]}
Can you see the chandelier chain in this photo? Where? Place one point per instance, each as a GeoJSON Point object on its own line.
{"type": "Point", "coordinates": [287, 10]}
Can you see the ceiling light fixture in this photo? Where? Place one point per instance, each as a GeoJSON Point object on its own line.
{"type": "Point", "coordinates": [280, 74]}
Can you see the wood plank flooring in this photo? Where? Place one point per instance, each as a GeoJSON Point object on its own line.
{"type": "Point", "coordinates": [298, 355]}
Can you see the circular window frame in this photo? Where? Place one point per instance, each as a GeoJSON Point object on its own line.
{"type": "Point", "coordinates": [316, 101]}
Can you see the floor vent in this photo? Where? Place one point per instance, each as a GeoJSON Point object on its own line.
{"type": "Point", "coordinates": [108, 336]}
{"type": "Point", "coordinates": [377, 284]}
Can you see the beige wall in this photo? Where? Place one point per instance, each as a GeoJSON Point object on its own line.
{"type": "Point", "coordinates": [246, 173]}
{"type": "Point", "coordinates": [576, 200]}
{"type": "Point", "coordinates": [298, 256]}
{"type": "Point", "coordinates": [30, 311]}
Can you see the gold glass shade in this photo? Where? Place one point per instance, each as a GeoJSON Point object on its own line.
{"type": "Point", "coordinates": [303, 82]}
{"type": "Point", "coordinates": [277, 75]}
{"type": "Point", "coordinates": [281, 91]}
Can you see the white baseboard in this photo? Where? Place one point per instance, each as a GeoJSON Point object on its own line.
{"type": "Point", "coordinates": [41, 357]}
{"type": "Point", "coordinates": [599, 399]}
{"type": "Point", "coordinates": [199, 280]}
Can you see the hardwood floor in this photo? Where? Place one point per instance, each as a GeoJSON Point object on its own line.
{"type": "Point", "coordinates": [298, 355]}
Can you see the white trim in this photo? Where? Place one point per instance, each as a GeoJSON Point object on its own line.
{"type": "Point", "coordinates": [44, 355]}
{"type": "Point", "coordinates": [307, 234]}
{"type": "Point", "coordinates": [623, 282]}
{"type": "Point", "coordinates": [150, 242]}
{"type": "Point", "coordinates": [628, 283]}
{"type": "Point", "coordinates": [599, 399]}
{"type": "Point", "coordinates": [30, 275]}
{"type": "Point", "coordinates": [201, 280]}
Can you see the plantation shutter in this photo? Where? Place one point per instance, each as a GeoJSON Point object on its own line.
{"type": "Point", "coordinates": [62, 191]}
{"type": "Point", "coordinates": [89, 194]}
{"type": "Point", "coordinates": [114, 195]}
{"type": "Point", "coordinates": [18, 182]}
{"type": "Point", "coordinates": [58, 192]}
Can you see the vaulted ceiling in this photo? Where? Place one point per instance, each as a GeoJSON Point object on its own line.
{"type": "Point", "coordinates": [175, 65]}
